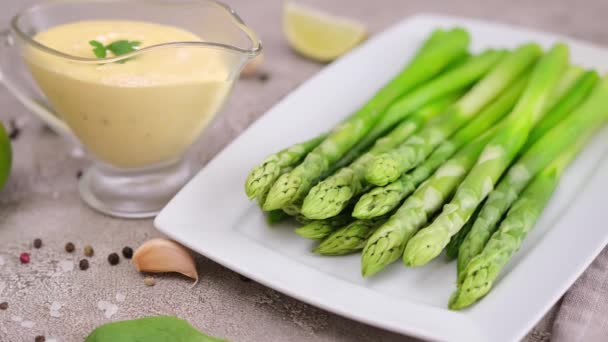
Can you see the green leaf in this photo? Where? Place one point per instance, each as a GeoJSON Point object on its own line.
{"type": "Point", "coordinates": [122, 47]}
{"type": "Point", "coordinates": [98, 49]}
{"type": "Point", "coordinates": [150, 329]}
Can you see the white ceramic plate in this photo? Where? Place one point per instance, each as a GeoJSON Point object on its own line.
{"type": "Point", "coordinates": [213, 216]}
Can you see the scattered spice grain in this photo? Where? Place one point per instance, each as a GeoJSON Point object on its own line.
{"type": "Point", "coordinates": [127, 252]}
{"type": "Point", "coordinates": [149, 281]}
{"type": "Point", "coordinates": [24, 258]}
{"type": "Point", "coordinates": [113, 259]}
{"type": "Point", "coordinates": [83, 264]}
{"type": "Point", "coordinates": [88, 251]}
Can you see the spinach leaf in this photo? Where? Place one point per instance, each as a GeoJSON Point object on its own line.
{"type": "Point", "coordinates": [150, 329]}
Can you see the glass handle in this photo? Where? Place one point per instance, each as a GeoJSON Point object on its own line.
{"type": "Point", "coordinates": [17, 84]}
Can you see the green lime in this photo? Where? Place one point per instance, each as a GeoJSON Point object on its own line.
{"type": "Point", "coordinates": [5, 156]}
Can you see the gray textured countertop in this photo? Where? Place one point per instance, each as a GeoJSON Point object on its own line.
{"type": "Point", "coordinates": [41, 200]}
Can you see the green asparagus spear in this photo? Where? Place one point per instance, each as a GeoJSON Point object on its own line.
{"type": "Point", "coordinates": [381, 200]}
{"type": "Point", "coordinates": [482, 271]}
{"type": "Point", "coordinates": [494, 160]}
{"type": "Point", "coordinates": [575, 95]}
{"type": "Point", "coordinates": [388, 166]}
{"type": "Point", "coordinates": [388, 242]}
{"type": "Point", "coordinates": [451, 250]}
{"type": "Point", "coordinates": [436, 37]}
{"type": "Point", "coordinates": [569, 78]}
{"type": "Point", "coordinates": [590, 114]}
{"type": "Point", "coordinates": [332, 195]}
{"type": "Point", "coordinates": [348, 239]}
{"type": "Point", "coordinates": [262, 177]}
{"type": "Point", "coordinates": [295, 185]}
{"type": "Point", "coordinates": [319, 229]}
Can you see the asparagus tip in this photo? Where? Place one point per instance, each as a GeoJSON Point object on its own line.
{"type": "Point", "coordinates": [382, 170]}
{"type": "Point", "coordinates": [454, 303]}
{"type": "Point", "coordinates": [363, 207]}
{"type": "Point", "coordinates": [329, 197]}
{"type": "Point", "coordinates": [320, 210]}
{"type": "Point", "coordinates": [282, 192]}
{"type": "Point", "coordinates": [419, 254]}
{"type": "Point", "coordinates": [368, 270]}
{"type": "Point", "coordinates": [261, 177]}
{"type": "Point", "coordinates": [460, 299]}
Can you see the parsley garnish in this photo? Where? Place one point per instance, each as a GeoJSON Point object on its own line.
{"type": "Point", "coordinates": [98, 49]}
{"type": "Point", "coordinates": [119, 47]}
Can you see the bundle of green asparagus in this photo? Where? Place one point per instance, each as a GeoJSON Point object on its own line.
{"type": "Point", "coordinates": [485, 137]}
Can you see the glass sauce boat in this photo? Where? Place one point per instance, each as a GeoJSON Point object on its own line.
{"type": "Point", "coordinates": [137, 133]}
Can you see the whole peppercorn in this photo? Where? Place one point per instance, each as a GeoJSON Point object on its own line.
{"type": "Point", "coordinates": [37, 243]}
{"type": "Point", "coordinates": [149, 281]}
{"type": "Point", "coordinates": [24, 258]}
{"type": "Point", "coordinates": [127, 252]}
{"type": "Point", "coordinates": [69, 247]}
{"type": "Point", "coordinates": [39, 338]}
{"type": "Point", "coordinates": [88, 251]}
{"type": "Point", "coordinates": [113, 259]}
{"type": "Point", "coordinates": [83, 264]}
{"type": "Point", "coordinates": [3, 306]}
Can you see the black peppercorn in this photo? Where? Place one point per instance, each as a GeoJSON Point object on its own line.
{"type": "Point", "coordinates": [127, 252]}
{"type": "Point", "coordinates": [37, 243]}
{"type": "Point", "coordinates": [3, 306]}
{"type": "Point", "coordinates": [83, 264]}
{"type": "Point", "coordinates": [113, 259]}
{"type": "Point", "coordinates": [39, 338]}
{"type": "Point", "coordinates": [69, 247]}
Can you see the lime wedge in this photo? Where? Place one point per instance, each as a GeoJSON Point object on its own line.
{"type": "Point", "coordinates": [318, 35]}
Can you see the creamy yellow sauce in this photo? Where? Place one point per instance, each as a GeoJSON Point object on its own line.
{"type": "Point", "coordinates": [145, 111]}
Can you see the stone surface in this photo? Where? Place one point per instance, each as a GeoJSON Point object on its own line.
{"type": "Point", "coordinates": [51, 297]}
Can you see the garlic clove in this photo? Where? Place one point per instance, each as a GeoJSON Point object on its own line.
{"type": "Point", "coordinates": [162, 255]}
{"type": "Point", "coordinates": [252, 67]}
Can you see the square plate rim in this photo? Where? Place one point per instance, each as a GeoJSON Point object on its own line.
{"type": "Point", "coordinates": [163, 225]}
